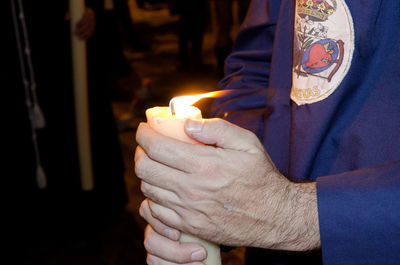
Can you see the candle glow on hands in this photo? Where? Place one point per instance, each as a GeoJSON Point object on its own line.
{"type": "Point", "coordinates": [170, 122]}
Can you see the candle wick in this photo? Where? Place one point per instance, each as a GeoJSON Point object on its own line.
{"type": "Point", "coordinates": [172, 107]}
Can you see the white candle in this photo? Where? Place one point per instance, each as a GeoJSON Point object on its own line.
{"type": "Point", "coordinates": [163, 121]}
{"type": "Point", "coordinates": [80, 82]}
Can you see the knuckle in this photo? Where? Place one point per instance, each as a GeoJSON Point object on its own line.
{"type": "Point", "coordinates": [146, 170]}
{"type": "Point", "coordinates": [147, 231]}
{"type": "Point", "coordinates": [249, 159]}
{"type": "Point", "coordinates": [148, 191]}
{"type": "Point", "coordinates": [221, 127]}
{"type": "Point", "coordinates": [144, 188]}
{"type": "Point", "coordinates": [147, 245]}
{"type": "Point", "coordinates": [255, 141]}
{"type": "Point", "coordinates": [142, 209]}
{"type": "Point", "coordinates": [250, 135]}
{"type": "Point", "coordinates": [154, 148]}
{"type": "Point", "coordinates": [139, 132]}
{"type": "Point", "coordinates": [150, 260]}
{"type": "Point", "coordinates": [194, 225]}
{"type": "Point", "coordinates": [219, 121]}
{"type": "Point", "coordinates": [147, 242]}
{"type": "Point", "coordinates": [140, 167]}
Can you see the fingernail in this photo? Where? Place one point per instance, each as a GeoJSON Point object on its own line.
{"type": "Point", "coordinates": [171, 234]}
{"type": "Point", "coordinates": [194, 125]}
{"type": "Point", "coordinates": [198, 255]}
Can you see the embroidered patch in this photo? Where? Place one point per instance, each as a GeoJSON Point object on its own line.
{"type": "Point", "coordinates": [323, 49]}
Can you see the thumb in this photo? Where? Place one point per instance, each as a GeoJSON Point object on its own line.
{"type": "Point", "coordinates": [223, 134]}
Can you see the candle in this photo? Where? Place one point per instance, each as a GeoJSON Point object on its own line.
{"type": "Point", "coordinates": [80, 82]}
{"type": "Point", "coordinates": [170, 121]}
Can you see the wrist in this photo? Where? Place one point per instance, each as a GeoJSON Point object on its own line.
{"type": "Point", "coordinates": [305, 213]}
{"type": "Point", "coordinates": [295, 225]}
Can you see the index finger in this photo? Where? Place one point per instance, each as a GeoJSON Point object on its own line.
{"type": "Point", "coordinates": [168, 151]}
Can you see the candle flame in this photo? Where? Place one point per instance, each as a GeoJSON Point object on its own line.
{"type": "Point", "coordinates": [178, 104]}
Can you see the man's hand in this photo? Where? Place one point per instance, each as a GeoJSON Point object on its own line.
{"type": "Point", "coordinates": [227, 191]}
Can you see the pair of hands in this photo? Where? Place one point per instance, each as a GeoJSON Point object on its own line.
{"type": "Point", "coordinates": [227, 191]}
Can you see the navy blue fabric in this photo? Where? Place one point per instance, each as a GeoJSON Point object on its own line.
{"type": "Point", "coordinates": [360, 215]}
{"type": "Point", "coordinates": [349, 142]}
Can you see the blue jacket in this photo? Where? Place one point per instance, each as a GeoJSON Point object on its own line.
{"type": "Point", "coordinates": [348, 141]}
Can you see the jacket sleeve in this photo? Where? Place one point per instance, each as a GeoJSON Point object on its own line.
{"type": "Point", "coordinates": [247, 69]}
{"type": "Point", "coordinates": [359, 213]}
